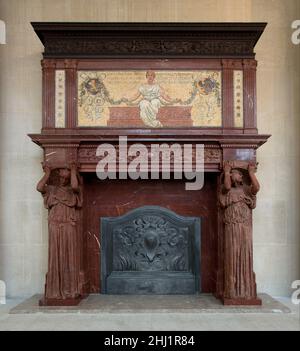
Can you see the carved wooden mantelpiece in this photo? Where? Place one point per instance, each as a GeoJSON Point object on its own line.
{"type": "Point", "coordinates": [204, 77]}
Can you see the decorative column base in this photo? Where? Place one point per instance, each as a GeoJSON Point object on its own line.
{"type": "Point", "coordinates": [241, 302]}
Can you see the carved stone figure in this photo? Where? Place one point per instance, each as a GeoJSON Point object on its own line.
{"type": "Point", "coordinates": [238, 199]}
{"type": "Point", "coordinates": [62, 195]}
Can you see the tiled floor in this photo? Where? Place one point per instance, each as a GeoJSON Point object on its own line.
{"type": "Point", "coordinates": [209, 319]}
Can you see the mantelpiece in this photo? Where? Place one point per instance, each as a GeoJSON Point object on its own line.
{"type": "Point", "coordinates": [208, 69]}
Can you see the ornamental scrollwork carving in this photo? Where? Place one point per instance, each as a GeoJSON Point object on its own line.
{"type": "Point", "coordinates": [150, 242]}
{"type": "Point", "coordinates": [158, 47]}
{"type": "Point", "coordinates": [85, 155]}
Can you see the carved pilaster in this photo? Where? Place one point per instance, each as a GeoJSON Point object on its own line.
{"type": "Point", "coordinates": [228, 66]}
{"type": "Point", "coordinates": [250, 95]}
{"type": "Point", "coordinates": [48, 104]}
{"type": "Point", "coordinates": [71, 92]}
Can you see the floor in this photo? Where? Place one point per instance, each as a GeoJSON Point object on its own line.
{"type": "Point", "coordinates": [157, 313]}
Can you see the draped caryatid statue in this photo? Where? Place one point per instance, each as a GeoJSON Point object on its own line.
{"type": "Point", "coordinates": [62, 193]}
{"type": "Point", "coordinates": [238, 199]}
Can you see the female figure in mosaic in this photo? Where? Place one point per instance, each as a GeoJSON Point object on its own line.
{"type": "Point", "coordinates": [238, 199]}
{"type": "Point", "coordinates": [63, 199]}
{"type": "Point", "coordinates": [150, 96]}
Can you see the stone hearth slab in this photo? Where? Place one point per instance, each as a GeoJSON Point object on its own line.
{"type": "Point", "coordinates": [202, 303]}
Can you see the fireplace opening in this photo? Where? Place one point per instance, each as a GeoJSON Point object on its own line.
{"type": "Point", "coordinates": [114, 198]}
{"type": "Point", "coordinates": [150, 250]}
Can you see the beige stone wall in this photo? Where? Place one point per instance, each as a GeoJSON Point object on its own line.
{"type": "Point", "coordinates": [23, 230]}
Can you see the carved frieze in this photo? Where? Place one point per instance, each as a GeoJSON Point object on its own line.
{"type": "Point", "coordinates": [145, 47]}
{"type": "Point", "coordinates": [88, 155]}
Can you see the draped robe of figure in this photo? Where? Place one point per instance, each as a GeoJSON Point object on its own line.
{"type": "Point", "coordinates": [238, 203]}
{"type": "Point", "coordinates": [150, 104]}
{"type": "Point", "coordinates": [62, 279]}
